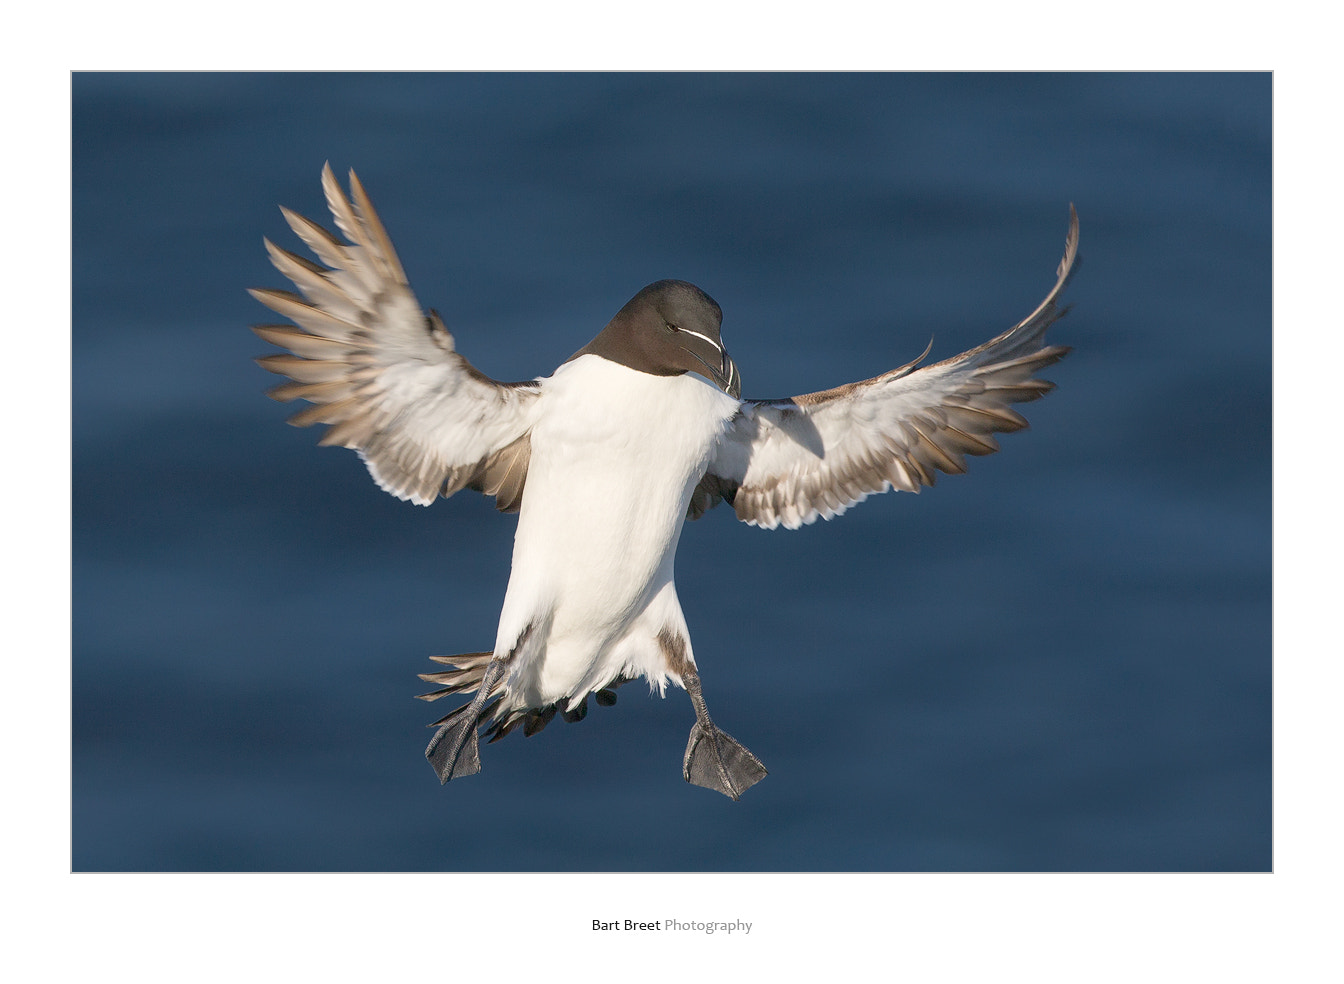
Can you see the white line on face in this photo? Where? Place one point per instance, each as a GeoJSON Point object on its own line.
{"type": "Point", "coordinates": [717, 346]}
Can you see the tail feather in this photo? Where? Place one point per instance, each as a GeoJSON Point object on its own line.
{"type": "Point", "coordinates": [463, 680]}
{"type": "Point", "coordinates": [466, 676]}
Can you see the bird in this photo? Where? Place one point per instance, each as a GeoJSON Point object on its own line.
{"type": "Point", "coordinates": [604, 460]}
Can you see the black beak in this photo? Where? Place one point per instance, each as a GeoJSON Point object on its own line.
{"type": "Point", "coordinates": [724, 374]}
{"type": "Point", "coordinates": [732, 384]}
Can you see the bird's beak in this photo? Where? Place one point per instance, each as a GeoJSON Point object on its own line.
{"type": "Point", "coordinates": [714, 363]}
{"type": "Point", "coordinates": [733, 385]}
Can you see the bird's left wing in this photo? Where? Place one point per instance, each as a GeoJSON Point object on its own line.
{"type": "Point", "coordinates": [786, 462]}
{"type": "Point", "coordinates": [385, 375]}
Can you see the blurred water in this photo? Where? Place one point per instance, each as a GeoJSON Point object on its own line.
{"type": "Point", "coordinates": [1058, 661]}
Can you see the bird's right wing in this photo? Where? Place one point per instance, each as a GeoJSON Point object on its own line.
{"type": "Point", "coordinates": [384, 374]}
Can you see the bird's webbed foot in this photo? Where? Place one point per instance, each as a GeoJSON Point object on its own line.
{"type": "Point", "coordinates": [455, 749]}
{"type": "Point", "coordinates": [715, 760]}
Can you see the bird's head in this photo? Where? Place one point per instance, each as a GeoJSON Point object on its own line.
{"type": "Point", "coordinates": [669, 328]}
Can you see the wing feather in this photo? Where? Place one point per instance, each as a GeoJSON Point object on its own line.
{"type": "Point", "coordinates": [382, 373]}
{"type": "Point", "coordinates": [787, 462]}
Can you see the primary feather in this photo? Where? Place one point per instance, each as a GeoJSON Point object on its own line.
{"type": "Point", "coordinates": [385, 374]}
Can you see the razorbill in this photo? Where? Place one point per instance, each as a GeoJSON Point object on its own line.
{"type": "Point", "coordinates": [604, 459]}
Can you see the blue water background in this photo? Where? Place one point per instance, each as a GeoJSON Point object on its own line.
{"type": "Point", "coordinates": [1058, 661]}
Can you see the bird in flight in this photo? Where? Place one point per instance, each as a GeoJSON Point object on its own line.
{"type": "Point", "coordinates": [604, 459]}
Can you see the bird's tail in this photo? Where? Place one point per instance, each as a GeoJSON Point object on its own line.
{"type": "Point", "coordinates": [466, 677]}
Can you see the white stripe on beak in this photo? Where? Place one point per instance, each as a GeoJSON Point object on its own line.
{"type": "Point", "coordinates": [687, 331]}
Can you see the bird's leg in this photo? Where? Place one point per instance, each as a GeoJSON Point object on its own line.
{"type": "Point", "coordinates": [454, 751]}
{"type": "Point", "coordinates": [713, 758]}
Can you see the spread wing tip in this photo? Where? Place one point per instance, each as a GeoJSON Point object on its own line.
{"type": "Point", "coordinates": [1068, 263]}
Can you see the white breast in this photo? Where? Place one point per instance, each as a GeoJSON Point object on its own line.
{"type": "Point", "coordinates": [615, 456]}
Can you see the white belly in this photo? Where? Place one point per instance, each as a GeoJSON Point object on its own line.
{"type": "Point", "coordinates": [615, 456]}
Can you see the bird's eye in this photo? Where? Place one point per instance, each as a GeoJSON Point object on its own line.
{"type": "Point", "coordinates": [670, 326]}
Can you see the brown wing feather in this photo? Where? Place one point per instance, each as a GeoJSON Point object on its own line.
{"type": "Point", "coordinates": [385, 375]}
{"type": "Point", "coordinates": [786, 462]}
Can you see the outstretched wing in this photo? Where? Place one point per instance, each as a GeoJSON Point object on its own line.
{"type": "Point", "coordinates": [786, 462]}
{"type": "Point", "coordinates": [385, 376]}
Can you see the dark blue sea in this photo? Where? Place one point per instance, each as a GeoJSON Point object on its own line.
{"type": "Point", "coordinates": [1059, 661]}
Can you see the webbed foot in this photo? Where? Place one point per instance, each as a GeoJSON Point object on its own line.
{"type": "Point", "coordinates": [455, 749]}
{"type": "Point", "coordinates": [715, 760]}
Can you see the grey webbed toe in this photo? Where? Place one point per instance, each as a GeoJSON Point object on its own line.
{"type": "Point", "coordinates": [454, 751]}
{"type": "Point", "coordinates": [715, 760]}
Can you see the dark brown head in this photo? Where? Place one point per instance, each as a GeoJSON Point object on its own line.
{"type": "Point", "coordinates": [667, 329]}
